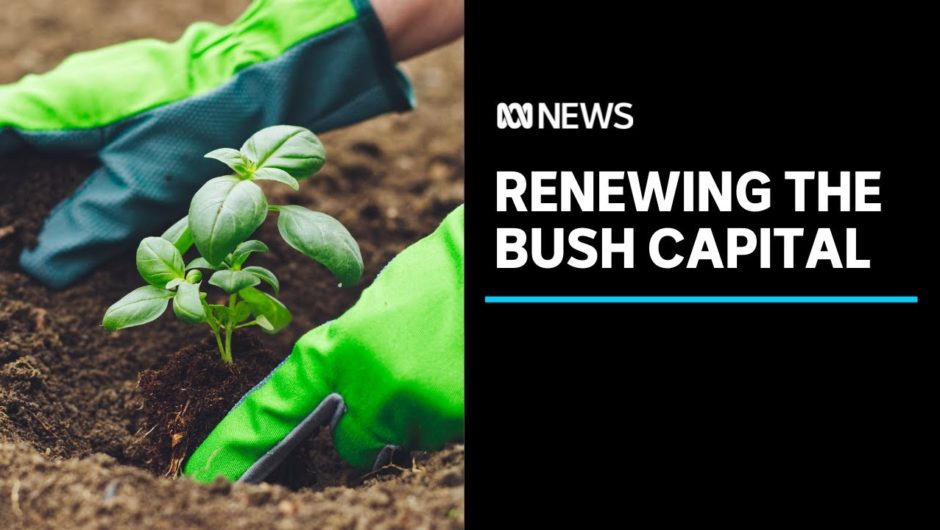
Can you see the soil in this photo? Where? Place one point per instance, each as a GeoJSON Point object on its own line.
{"type": "Point", "coordinates": [186, 397]}
{"type": "Point", "coordinates": [71, 410]}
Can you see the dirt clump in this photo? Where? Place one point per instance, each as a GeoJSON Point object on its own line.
{"type": "Point", "coordinates": [186, 397]}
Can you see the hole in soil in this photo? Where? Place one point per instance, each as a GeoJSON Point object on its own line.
{"type": "Point", "coordinates": [188, 396]}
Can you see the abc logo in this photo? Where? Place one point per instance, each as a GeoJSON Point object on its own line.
{"type": "Point", "coordinates": [514, 115]}
{"type": "Point", "coordinates": [570, 115]}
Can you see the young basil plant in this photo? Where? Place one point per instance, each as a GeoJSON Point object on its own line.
{"type": "Point", "coordinates": [223, 214]}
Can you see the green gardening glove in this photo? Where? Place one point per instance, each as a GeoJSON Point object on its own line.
{"type": "Point", "coordinates": [387, 373]}
{"type": "Point", "coordinates": [148, 110]}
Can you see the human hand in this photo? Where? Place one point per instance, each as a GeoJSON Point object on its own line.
{"type": "Point", "coordinates": [149, 110]}
{"type": "Point", "coordinates": [387, 373]}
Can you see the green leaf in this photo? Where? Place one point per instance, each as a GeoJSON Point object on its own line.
{"type": "Point", "coordinates": [172, 284]}
{"type": "Point", "coordinates": [264, 324]}
{"type": "Point", "coordinates": [243, 250]}
{"type": "Point", "coordinates": [277, 175]}
{"type": "Point", "coordinates": [264, 305]}
{"type": "Point", "coordinates": [180, 235]}
{"type": "Point", "coordinates": [294, 150]}
{"type": "Point", "coordinates": [194, 276]}
{"type": "Point", "coordinates": [322, 238]}
{"type": "Point", "coordinates": [223, 213]}
{"type": "Point", "coordinates": [158, 261]}
{"type": "Point", "coordinates": [187, 305]}
{"type": "Point", "coordinates": [242, 311]}
{"type": "Point", "coordinates": [266, 276]}
{"type": "Point", "coordinates": [199, 263]}
{"type": "Point", "coordinates": [233, 159]}
{"type": "Point", "coordinates": [140, 306]}
{"type": "Point", "coordinates": [219, 312]}
{"type": "Point", "coordinates": [233, 281]}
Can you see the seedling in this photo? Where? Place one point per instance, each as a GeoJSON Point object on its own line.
{"type": "Point", "coordinates": [223, 214]}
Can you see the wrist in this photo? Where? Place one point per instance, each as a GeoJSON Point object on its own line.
{"type": "Point", "coordinates": [413, 27]}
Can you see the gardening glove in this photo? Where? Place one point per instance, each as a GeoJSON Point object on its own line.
{"type": "Point", "coordinates": [149, 110]}
{"type": "Point", "coordinates": [386, 374]}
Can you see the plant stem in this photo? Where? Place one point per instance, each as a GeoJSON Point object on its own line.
{"type": "Point", "coordinates": [246, 324]}
{"type": "Point", "coordinates": [214, 326]}
{"type": "Point", "coordinates": [229, 328]}
{"type": "Point", "coordinates": [218, 340]}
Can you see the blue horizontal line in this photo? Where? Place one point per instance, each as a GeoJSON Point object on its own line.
{"type": "Point", "coordinates": [701, 299]}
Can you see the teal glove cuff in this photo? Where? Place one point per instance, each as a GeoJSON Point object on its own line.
{"type": "Point", "coordinates": [395, 359]}
{"type": "Point", "coordinates": [150, 110]}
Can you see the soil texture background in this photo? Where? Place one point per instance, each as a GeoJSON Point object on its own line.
{"type": "Point", "coordinates": [70, 406]}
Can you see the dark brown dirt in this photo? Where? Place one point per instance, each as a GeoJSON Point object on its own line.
{"type": "Point", "coordinates": [70, 407]}
{"type": "Point", "coordinates": [186, 397]}
{"type": "Point", "coordinates": [26, 200]}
